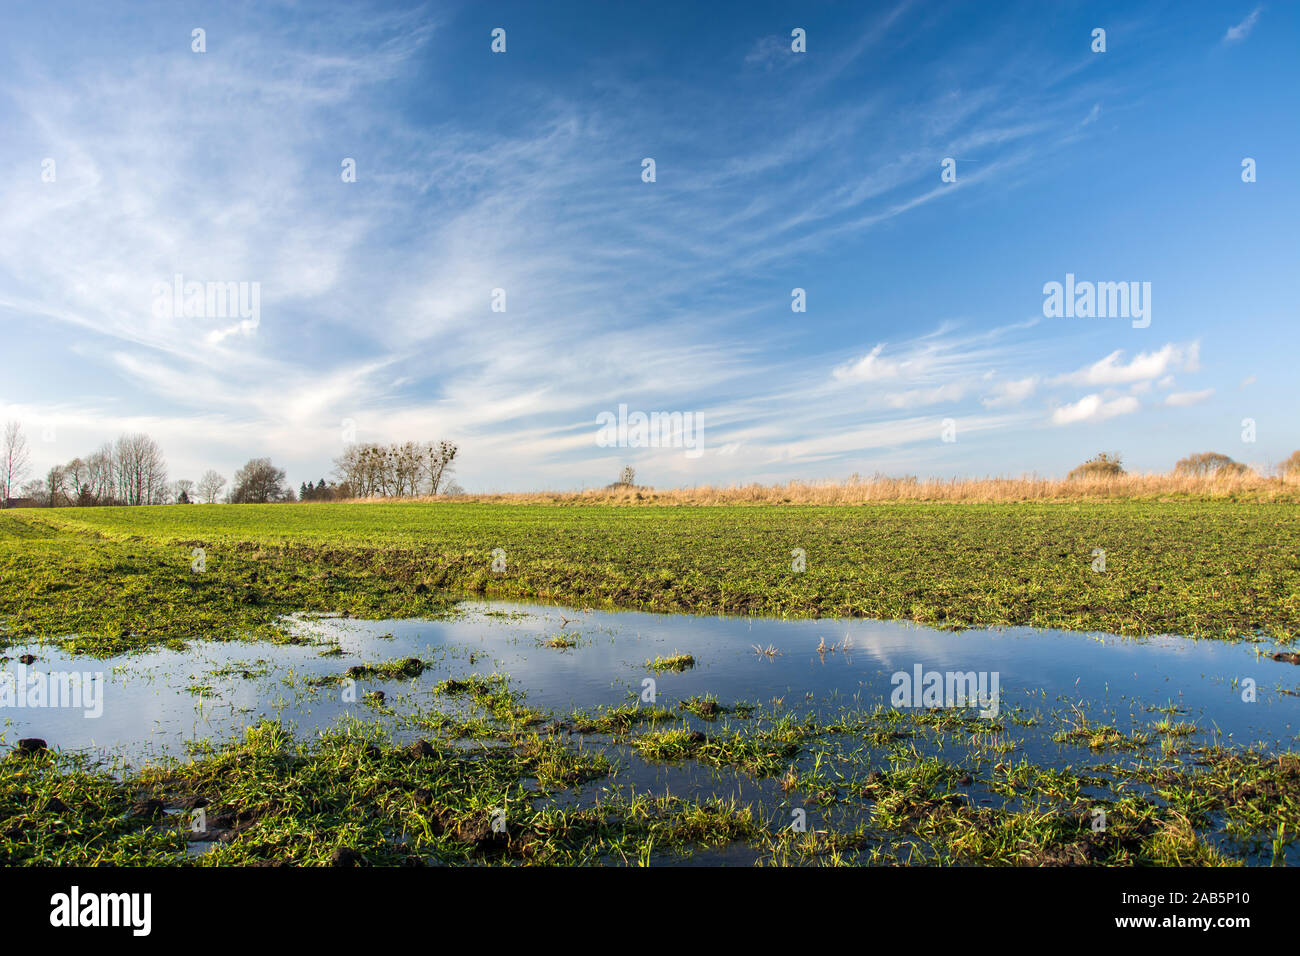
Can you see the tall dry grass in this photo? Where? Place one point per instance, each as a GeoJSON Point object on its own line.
{"type": "Point", "coordinates": [1154, 487]}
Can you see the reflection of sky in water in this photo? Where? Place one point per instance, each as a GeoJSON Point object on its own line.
{"type": "Point", "coordinates": [152, 704]}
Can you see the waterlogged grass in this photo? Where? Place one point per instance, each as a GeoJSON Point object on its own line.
{"type": "Point", "coordinates": [561, 642]}
{"type": "Point", "coordinates": [406, 667]}
{"type": "Point", "coordinates": [761, 754]}
{"type": "Point", "coordinates": [101, 595]}
{"type": "Point", "coordinates": [1256, 795]}
{"type": "Point", "coordinates": [1103, 737]}
{"type": "Point", "coordinates": [104, 580]}
{"type": "Point", "coordinates": [354, 796]}
{"type": "Point", "coordinates": [889, 787]}
{"type": "Point", "coordinates": [674, 662]}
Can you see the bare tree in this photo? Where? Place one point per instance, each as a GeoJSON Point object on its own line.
{"type": "Point", "coordinates": [101, 475]}
{"type": "Point", "coordinates": [76, 485]}
{"type": "Point", "coordinates": [397, 470]}
{"type": "Point", "coordinates": [363, 468]}
{"type": "Point", "coordinates": [407, 468]}
{"type": "Point", "coordinates": [347, 467]}
{"type": "Point", "coordinates": [183, 491]}
{"type": "Point", "coordinates": [210, 486]}
{"type": "Point", "coordinates": [1209, 463]}
{"type": "Point", "coordinates": [141, 470]}
{"type": "Point", "coordinates": [53, 492]}
{"type": "Point", "coordinates": [259, 482]}
{"type": "Point", "coordinates": [15, 458]}
{"type": "Point", "coordinates": [1102, 465]}
{"type": "Point", "coordinates": [438, 463]}
{"type": "Point", "coordinates": [1291, 467]}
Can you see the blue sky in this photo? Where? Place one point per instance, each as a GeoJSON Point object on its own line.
{"type": "Point", "coordinates": [775, 170]}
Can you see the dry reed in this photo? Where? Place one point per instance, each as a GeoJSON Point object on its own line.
{"type": "Point", "coordinates": [1250, 487]}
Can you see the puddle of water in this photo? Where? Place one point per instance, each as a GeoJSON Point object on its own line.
{"type": "Point", "coordinates": [155, 703]}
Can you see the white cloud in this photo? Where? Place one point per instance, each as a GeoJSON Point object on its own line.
{"type": "Point", "coordinates": [1242, 30]}
{"type": "Point", "coordinates": [1093, 408]}
{"type": "Point", "coordinates": [375, 294]}
{"type": "Point", "coordinates": [870, 368]}
{"type": "Point", "coordinates": [773, 52]}
{"type": "Point", "coordinates": [1011, 393]}
{"type": "Point", "coordinates": [1183, 399]}
{"type": "Point", "coordinates": [1112, 370]}
{"type": "Point", "coordinates": [913, 398]}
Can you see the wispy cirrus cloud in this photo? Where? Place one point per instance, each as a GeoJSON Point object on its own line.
{"type": "Point", "coordinates": [1011, 392]}
{"type": "Point", "coordinates": [376, 295]}
{"type": "Point", "coordinates": [872, 367]}
{"type": "Point", "coordinates": [1243, 29]}
{"type": "Point", "coordinates": [1183, 399]}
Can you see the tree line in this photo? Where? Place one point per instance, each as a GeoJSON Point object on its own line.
{"type": "Point", "coordinates": [133, 471]}
{"type": "Point", "coordinates": [129, 471]}
{"type": "Point", "coordinates": [1205, 464]}
{"type": "Point", "coordinates": [399, 470]}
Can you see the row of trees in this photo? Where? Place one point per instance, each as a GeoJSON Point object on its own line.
{"type": "Point", "coordinates": [129, 471]}
{"type": "Point", "coordinates": [402, 470]}
{"type": "Point", "coordinates": [133, 471]}
{"type": "Point", "coordinates": [1205, 464]}
{"type": "Point", "coordinates": [322, 491]}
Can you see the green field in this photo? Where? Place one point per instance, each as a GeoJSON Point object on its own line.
{"type": "Point", "coordinates": [100, 581]}
{"type": "Point", "coordinates": [108, 579]}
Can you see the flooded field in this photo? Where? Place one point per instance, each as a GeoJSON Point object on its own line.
{"type": "Point", "coordinates": [830, 737]}
{"type": "Point", "coordinates": [155, 703]}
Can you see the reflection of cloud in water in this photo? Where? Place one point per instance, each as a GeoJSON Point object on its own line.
{"type": "Point", "coordinates": [149, 708]}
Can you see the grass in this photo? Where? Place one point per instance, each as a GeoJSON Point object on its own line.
{"type": "Point", "coordinates": [108, 580]}
{"type": "Point", "coordinates": [1102, 737]}
{"type": "Point", "coordinates": [384, 670]}
{"type": "Point", "coordinates": [675, 663]}
{"type": "Point", "coordinates": [882, 785]}
{"type": "Point", "coordinates": [561, 642]}
{"type": "Point", "coordinates": [761, 753]}
{"type": "Point", "coordinates": [902, 790]}
{"type": "Point", "coordinates": [352, 797]}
